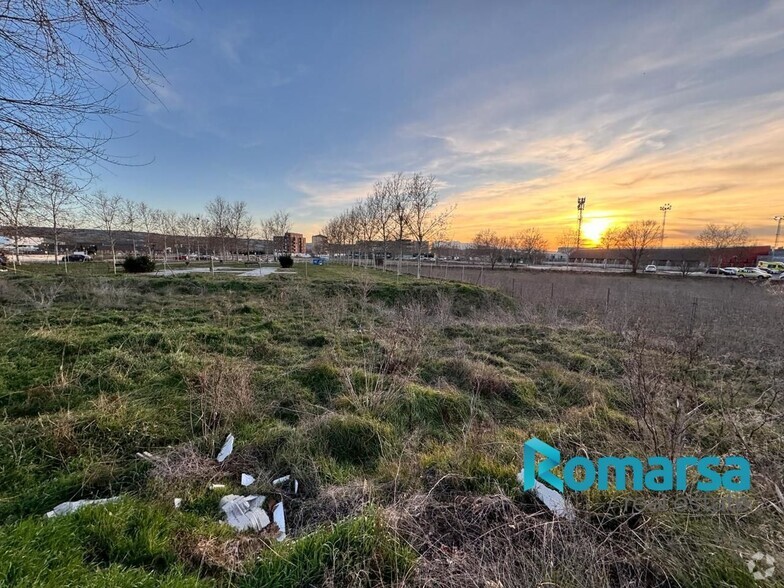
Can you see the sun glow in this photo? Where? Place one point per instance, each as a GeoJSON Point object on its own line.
{"type": "Point", "coordinates": [594, 228]}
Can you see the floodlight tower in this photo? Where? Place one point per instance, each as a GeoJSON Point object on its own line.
{"type": "Point", "coordinates": [664, 208]}
{"type": "Point", "coordinates": [580, 209]}
{"type": "Point", "coordinates": [778, 218]}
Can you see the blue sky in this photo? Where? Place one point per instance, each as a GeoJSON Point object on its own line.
{"type": "Point", "coordinates": [516, 107]}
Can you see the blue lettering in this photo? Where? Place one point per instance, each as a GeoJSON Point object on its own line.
{"type": "Point", "coordinates": [619, 465]}
{"type": "Point", "coordinates": [659, 479]}
{"type": "Point", "coordinates": [681, 475]}
{"type": "Point", "coordinates": [588, 477]}
{"type": "Point", "coordinates": [705, 470]}
{"type": "Point", "coordinates": [743, 474]}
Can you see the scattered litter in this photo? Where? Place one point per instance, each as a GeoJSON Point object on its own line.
{"type": "Point", "coordinates": [245, 512]}
{"type": "Point", "coordinates": [228, 447]}
{"type": "Point", "coordinates": [552, 499]}
{"type": "Point", "coordinates": [247, 480]}
{"type": "Point", "coordinates": [217, 486]}
{"type": "Point", "coordinates": [146, 455]}
{"type": "Point", "coordinates": [69, 507]}
{"type": "Point", "coordinates": [280, 520]}
{"type": "Point", "coordinates": [284, 479]}
{"type": "Point", "coordinates": [177, 502]}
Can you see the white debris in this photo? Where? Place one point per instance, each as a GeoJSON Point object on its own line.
{"type": "Point", "coordinates": [296, 486]}
{"type": "Point", "coordinates": [245, 512]}
{"type": "Point", "coordinates": [279, 481]}
{"type": "Point", "coordinates": [177, 502]}
{"type": "Point", "coordinates": [217, 486]}
{"type": "Point", "coordinates": [247, 480]}
{"type": "Point", "coordinates": [279, 517]}
{"type": "Point", "coordinates": [69, 507]}
{"type": "Point", "coordinates": [146, 455]}
{"type": "Point", "coordinates": [552, 499]}
{"type": "Point", "coordinates": [228, 447]}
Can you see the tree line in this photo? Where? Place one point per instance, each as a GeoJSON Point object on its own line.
{"type": "Point", "coordinates": [399, 209]}
{"type": "Point", "coordinates": [225, 227]}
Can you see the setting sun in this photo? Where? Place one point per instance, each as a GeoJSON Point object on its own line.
{"type": "Point", "coordinates": [594, 228]}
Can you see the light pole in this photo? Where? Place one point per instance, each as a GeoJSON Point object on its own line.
{"type": "Point", "coordinates": [580, 209]}
{"type": "Point", "coordinates": [778, 218]}
{"type": "Point", "coordinates": [664, 208]}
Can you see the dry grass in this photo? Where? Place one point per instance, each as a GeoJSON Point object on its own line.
{"type": "Point", "coordinates": [222, 393]}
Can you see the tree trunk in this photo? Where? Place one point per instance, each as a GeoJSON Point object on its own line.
{"type": "Point", "coordinates": [419, 259]}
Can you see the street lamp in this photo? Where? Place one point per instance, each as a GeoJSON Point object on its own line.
{"type": "Point", "coordinates": [664, 208]}
{"type": "Point", "coordinates": [778, 219]}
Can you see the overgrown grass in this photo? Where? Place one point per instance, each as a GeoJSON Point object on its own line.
{"type": "Point", "coordinates": [373, 391]}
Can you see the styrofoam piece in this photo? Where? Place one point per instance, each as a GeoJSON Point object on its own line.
{"type": "Point", "coordinates": [247, 479]}
{"type": "Point", "coordinates": [245, 512]}
{"type": "Point", "coordinates": [281, 480]}
{"type": "Point", "coordinates": [228, 447]}
{"type": "Point", "coordinates": [552, 499]}
{"type": "Point", "coordinates": [177, 502]}
{"type": "Point", "coordinates": [279, 518]}
{"type": "Point", "coordinates": [65, 508]}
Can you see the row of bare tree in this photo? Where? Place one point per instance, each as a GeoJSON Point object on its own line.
{"type": "Point", "coordinates": [399, 209]}
{"type": "Point", "coordinates": [529, 245]}
{"type": "Point", "coordinates": [225, 227]}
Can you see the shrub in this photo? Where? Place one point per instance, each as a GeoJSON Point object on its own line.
{"type": "Point", "coordinates": [138, 265]}
{"type": "Point", "coordinates": [286, 261]}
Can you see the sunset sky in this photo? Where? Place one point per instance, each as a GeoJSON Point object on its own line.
{"type": "Point", "coordinates": [516, 107]}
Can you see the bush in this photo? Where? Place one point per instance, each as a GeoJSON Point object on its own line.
{"type": "Point", "coordinates": [286, 261]}
{"type": "Point", "coordinates": [139, 265]}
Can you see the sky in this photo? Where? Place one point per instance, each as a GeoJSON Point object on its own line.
{"type": "Point", "coordinates": [517, 108]}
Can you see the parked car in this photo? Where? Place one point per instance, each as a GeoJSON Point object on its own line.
{"type": "Point", "coordinates": [76, 257]}
{"type": "Point", "coordinates": [650, 269]}
{"type": "Point", "coordinates": [714, 270]}
{"type": "Point", "coordinates": [730, 271]}
{"type": "Point", "coordinates": [753, 273]}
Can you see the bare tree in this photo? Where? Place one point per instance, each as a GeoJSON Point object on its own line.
{"type": "Point", "coordinates": [107, 211]}
{"type": "Point", "coordinates": [166, 221]}
{"type": "Point", "coordinates": [63, 62]}
{"type": "Point", "coordinates": [567, 242]}
{"type": "Point", "coordinates": [56, 203]}
{"type": "Point", "coordinates": [147, 220]}
{"type": "Point", "coordinates": [489, 244]}
{"type": "Point", "coordinates": [187, 225]}
{"type": "Point", "coordinates": [130, 219]}
{"type": "Point", "coordinates": [365, 214]}
{"type": "Point", "coordinates": [637, 238]}
{"type": "Point", "coordinates": [400, 203]}
{"type": "Point", "coordinates": [531, 244]}
{"type": "Point", "coordinates": [218, 213]}
{"type": "Point", "coordinates": [238, 223]}
{"type": "Point", "coordinates": [275, 226]}
{"type": "Point", "coordinates": [714, 238]}
{"type": "Point", "coordinates": [722, 237]}
{"type": "Point", "coordinates": [16, 208]}
{"type": "Point", "coordinates": [382, 201]}
{"type": "Point", "coordinates": [425, 220]}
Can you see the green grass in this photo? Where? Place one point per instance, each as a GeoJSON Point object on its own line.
{"type": "Point", "coordinates": [357, 378]}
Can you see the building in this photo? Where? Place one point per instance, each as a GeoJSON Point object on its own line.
{"type": "Point", "coordinates": [693, 258]}
{"type": "Point", "coordinates": [291, 243]}
{"type": "Point", "coordinates": [319, 244]}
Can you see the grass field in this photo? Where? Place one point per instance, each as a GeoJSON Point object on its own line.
{"type": "Point", "coordinates": [399, 405]}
